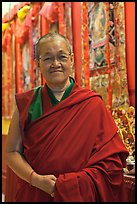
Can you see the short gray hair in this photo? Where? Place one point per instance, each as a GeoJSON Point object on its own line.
{"type": "Point", "coordinates": [47, 36]}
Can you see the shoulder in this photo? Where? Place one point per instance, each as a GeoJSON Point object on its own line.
{"type": "Point", "coordinates": [82, 90]}
{"type": "Point", "coordinates": [89, 93]}
{"type": "Point", "coordinates": [24, 94]}
{"type": "Point", "coordinates": [25, 98]}
{"type": "Point", "coordinates": [94, 99]}
{"type": "Point", "coordinates": [27, 94]}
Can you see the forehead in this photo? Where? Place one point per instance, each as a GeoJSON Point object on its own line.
{"type": "Point", "coordinates": [53, 43]}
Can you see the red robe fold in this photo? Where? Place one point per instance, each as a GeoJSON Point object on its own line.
{"type": "Point", "coordinates": [77, 141]}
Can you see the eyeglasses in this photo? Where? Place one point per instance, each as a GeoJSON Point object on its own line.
{"type": "Point", "coordinates": [50, 59]}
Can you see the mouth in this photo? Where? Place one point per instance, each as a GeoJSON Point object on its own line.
{"type": "Point", "coordinates": [54, 71]}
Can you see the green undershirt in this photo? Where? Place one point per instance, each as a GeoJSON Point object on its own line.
{"type": "Point", "coordinates": [53, 99]}
{"type": "Point", "coordinates": [35, 109]}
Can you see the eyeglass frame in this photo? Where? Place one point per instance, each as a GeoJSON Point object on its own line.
{"type": "Point", "coordinates": [52, 58]}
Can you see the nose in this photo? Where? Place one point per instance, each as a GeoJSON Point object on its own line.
{"type": "Point", "coordinates": [55, 62]}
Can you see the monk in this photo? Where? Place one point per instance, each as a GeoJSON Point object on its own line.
{"type": "Point", "coordinates": [63, 144]}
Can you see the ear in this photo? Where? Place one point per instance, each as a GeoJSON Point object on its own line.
{"type": "Point", "coordinates": [37, 64]}
{"type": "Point", "coordinates": [72, 65]}
{"type": "Point", "coordinates": [72, 59]}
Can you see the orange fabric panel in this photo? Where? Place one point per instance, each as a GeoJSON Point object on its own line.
{"type": "Point", "coordinates": [76, 34]}
{"type": "Point", "coordinates": [130, 48]}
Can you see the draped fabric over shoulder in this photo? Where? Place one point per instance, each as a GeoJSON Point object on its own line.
{"type": "Point", "coordinates": [77, 141]}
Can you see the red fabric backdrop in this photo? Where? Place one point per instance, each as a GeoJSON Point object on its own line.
{"type": "Point", "coordinates": [130, 48]}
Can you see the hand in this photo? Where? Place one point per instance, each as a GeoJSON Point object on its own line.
{"type": "Point", "coordinates": [46, 183]}
{"type": "Point", "coordinates": [52, 194]}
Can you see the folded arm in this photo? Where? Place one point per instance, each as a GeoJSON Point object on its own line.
{"type": "Point", "coordinates": [17, 162]}
{"type": "Point", "coordinates": [101, 182]}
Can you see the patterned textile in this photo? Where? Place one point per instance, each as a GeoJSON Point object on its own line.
{"type": "Point", "coordinates": [103, 46]}
{"type": "Point", "coordinates": [27, 72]}
{"type": "Point", "coordinates": [18, 71]}
{"type": "Point", "coordinates": [106, 30]}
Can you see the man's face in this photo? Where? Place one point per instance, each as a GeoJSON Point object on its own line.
{"type": "Point", "coordinates": [55, 61]}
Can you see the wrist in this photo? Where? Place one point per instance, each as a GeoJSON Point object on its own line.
{"type": "Point", "coordinates": [33, 180]}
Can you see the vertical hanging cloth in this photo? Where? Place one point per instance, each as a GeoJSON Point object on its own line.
{"type": "Point", "coordinates": [19, 81]}
{"type": "Point", "coordinates": [31, 46]}
{"type": "Point", "coordinates": [61, 17]}
{"type": "Point", "coordinates": [4, 71]}
{"type": "Point", "coordinates": [68, 21]}
{"type": "Point", "coordinates": [30, 22]}
{"type": "Point", "coordinates": [3, 86]}
{"type": "Point", "coordinates": [86, 45]}
{"type": "Point", "coordinates": [108, 59]}
{"type": "Point", "coordinates": [13, 67]}
{"type": "Point", "coordinates": [76, 38]}
{"type": "Point", "coordinates": [130, 47]}
{"type": "Point", "coordinates": [9, 41]}
{"type": "Point", "coordinates": [45, 26]}
{"type": "Point", "coordinates": [31, 68]}
{"type": "Point", "coordinates": [47, 17]}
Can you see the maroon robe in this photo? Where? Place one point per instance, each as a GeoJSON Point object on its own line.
{"type": "Point", "coordinates": [77, 141]}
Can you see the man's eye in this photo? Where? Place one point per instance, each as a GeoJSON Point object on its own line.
{"type": "Point", "coordinates": [47, 58]}
{"type": "Point", "coordinates": [63, 57]}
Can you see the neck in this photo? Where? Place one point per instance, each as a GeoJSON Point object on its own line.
{"type": "Point", "coordinates": [60, 88]}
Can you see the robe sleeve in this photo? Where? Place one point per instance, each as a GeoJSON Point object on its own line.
{"type": "Point", "coordinates": [102, 181]}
